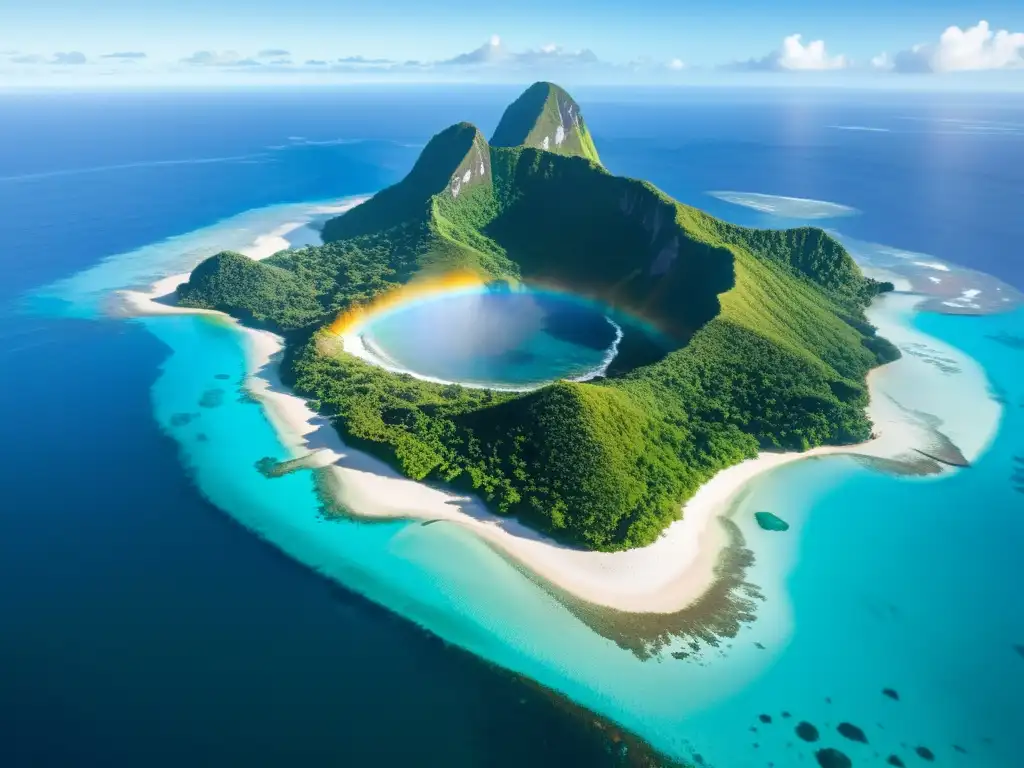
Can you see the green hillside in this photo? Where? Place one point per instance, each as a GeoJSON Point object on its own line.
{"type": "Point", "coordinates": [546, 117]}
{"type": "Point", "coordinates": [771, 347]}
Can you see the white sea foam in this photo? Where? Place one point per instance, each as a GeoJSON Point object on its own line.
{"type": "Point", "coordinates": [965, 300]}
{"type": "Point", "coordinates": [609, 356]}
{"type": "Point", "coordinates": [786, 207]}
{"type": "Point", "coordinates": [933, 265]}
{"type": "Point", "coordinates": [868, 128]}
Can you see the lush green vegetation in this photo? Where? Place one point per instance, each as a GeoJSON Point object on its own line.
{"type": "Point", "coordinates": [772, 346]}
{"type": "Point", "coordinates": [537, 115]}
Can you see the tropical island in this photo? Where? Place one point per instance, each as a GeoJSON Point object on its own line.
{"type": "Point", "coordinates": [765, 343]}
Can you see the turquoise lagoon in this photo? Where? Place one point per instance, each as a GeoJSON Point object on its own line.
{"type": "Point", "coordinates": [495, 337]}
{"type": "Point", "coordinates": [881, 582]}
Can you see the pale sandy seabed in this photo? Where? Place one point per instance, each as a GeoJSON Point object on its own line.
{"type": "Point", "coordinates": [952, 424]}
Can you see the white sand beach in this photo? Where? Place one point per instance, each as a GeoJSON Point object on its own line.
{"type": "Point", "coordinates": [677, 569]}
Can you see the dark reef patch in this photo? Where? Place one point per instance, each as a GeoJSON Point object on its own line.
{"type": "Point", "coordinates": [807, 731]}
{"type": "Point", "coordinates": [931, 357]}
{"type": "Point", "coordinates": [832, 758]}
{"type": "Point", "coordinates": [223, 376]}
{"type": "Point", "coordinates": [852, 732]}
{"type": "Point", "coordinates": [891, 693]}
{"type": "Point", "coordinates": [765, 718]}
{"type": "Point", "coordinates": [212, 398]}
{"type": "Point", "coordinates": [1017, 478]}
{"type": "Point", "coordinates": [182, 419]}
{"type": "Point", "coordinates": [896, 761]}
{"type": "Point", "coordinates": [1020, 650]}
{"type": "Point", "coordinates": [270, 467]}
{"type": "Point", "coordinates": [958, 748]}
{"type": "Point", "coordinates": [202, 438]}
{"type": "Point", "coordinates": [925, 754]}
{"type": "Point", "coordinates": [770, 522]}
{"type": "Point", "coordinates": [1008, 339]}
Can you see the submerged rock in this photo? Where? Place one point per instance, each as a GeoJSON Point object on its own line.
{"type": "Point", "coordinates": [806, 731]}
{"type": "Point", "coordinates": [1020, 650]}
{"type": "Point", "coordinates": [212, 398]}
{"type": "Point", "coordinates": [925, 754]}
{"type": "Point", "coordinates": [765, 718]}
{"type": "Point", "coordinates": [891, 693]}
{"type": "Point", "coordinates": [896, 761]}
{"type": "Point", "coordinates": [771, 522]}
{"type": "Point", "coordinates": [832, 758]}
{"type": "Point", "coordinates": [223, 376]}
{"type": "Point", "coordinates": [181, 419]}
{"type": "Point", "coordinates": [852, 732]}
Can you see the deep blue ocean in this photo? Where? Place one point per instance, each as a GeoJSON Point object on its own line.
{"type": "Point", "coordinates": [139, 624]}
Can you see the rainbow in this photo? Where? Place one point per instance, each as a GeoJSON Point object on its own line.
{"type": "Point", "coordinates": [349, 325]}
{"type": "Point", "coordinates": [419, 289]}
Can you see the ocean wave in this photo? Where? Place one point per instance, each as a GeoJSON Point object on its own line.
{"type": "Point", "coordinates": [609, 356]}
{"type": "Point", "coordinates": [128, 166]}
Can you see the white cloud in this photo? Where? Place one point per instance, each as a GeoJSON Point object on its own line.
{"type": "Point", "coordinates": [882, 61]}
{"type": "Point", "coordinates": [363, 60]}
{"type": "Point", "coordinates": [491, 52]}
{"type": "Point", "coordinates": [70, 57]}
{"type": "Point", "coordinates": [215, 59]}
{"type": "Point", "coordinates": [273, 53]}
{"type": "Point", "coordinates": [972, 48]}
{"type": "Point", "coordinates": [125, 55]}
{"type": "Point", "coordinates": [494, 54]}
{"type": "Point", "coordinates": [794, 56]}
{"type": "Point", "coordinates": [676, 65]}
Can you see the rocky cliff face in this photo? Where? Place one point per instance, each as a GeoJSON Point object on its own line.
{"type": "Point", "coordinates": [546, 117]}
{"type": "Point", "coordinates": [475, 167]}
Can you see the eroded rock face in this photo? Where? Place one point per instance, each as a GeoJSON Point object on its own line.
{"type": "Point", "coordinates": [474, 168]}
{"type": "Point", "coordinates": [653, 216]}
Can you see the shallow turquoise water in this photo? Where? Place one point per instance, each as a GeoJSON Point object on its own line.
{"type": "Point", "coordinates": [881, 581]}
{"type": "Point", "coordinates": [898, 583]}
{"type": "Point", "coordinates": [892, 583]}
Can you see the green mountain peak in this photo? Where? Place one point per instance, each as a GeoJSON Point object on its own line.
{"type": "Point", "coordinates": [546, 117]}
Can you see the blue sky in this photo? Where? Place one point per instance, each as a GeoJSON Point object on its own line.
{"type": "Point", "coordinates": [71, 41]}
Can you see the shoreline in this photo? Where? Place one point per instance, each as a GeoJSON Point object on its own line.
{"type": "Point", "coordinates": [661, 578]}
